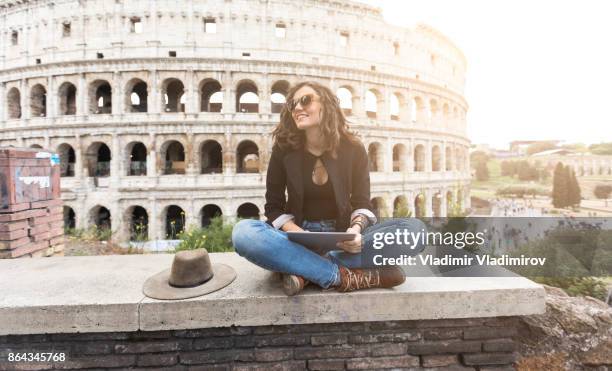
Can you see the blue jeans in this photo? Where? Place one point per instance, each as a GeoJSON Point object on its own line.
{"type": "Point", "coordinates": [269, 248]}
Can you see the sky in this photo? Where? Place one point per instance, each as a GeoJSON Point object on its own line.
{"type": "Point", "coordinates": [538, 69]}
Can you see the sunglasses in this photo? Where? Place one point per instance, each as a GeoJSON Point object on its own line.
{"type": "Point", "coordinates": [304, 101]}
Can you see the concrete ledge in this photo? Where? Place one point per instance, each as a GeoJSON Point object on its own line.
{"type": "Point", "coordinates": [104, 294]}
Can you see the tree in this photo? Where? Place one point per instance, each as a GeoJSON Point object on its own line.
{"type": "Point", "coordinates": [559, 192]}
{"type": "Point", "coordinates": [482, 171]}
{"type": "Point", "coordinates": [508, 168]}
{"type": "Point", "coordinates": [479, 156]}
{"type": "Point", "coordinates": [602, 192]}
{"type": "Point", "coordinates": [479, 160]}
{"type": "Point", "coordinates": [573, 188]}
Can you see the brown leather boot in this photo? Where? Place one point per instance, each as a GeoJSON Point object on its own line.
{"type": "Point", "coordinates": [292, 284]}
{"type": "Point", "coordinates": [356, 279]}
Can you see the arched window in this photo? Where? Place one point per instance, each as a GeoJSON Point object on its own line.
{"type": "Point", "coordinates": [137, 96]}
{"type": "Point", "coordinates": [247, 99]}
{"type": "Point", "coordinates": [247, 157]}
{"type": "Point", "coordinates": [173, 92]}
{"type": "Point", "coordinates": [279, 94]}
{"type": "Point", "coordinates": [138, 159]}
{"type": "Point", "coordinates": [211, 158]}
{"type": "Point", "coordinates": [67, 99]}
{"type": "Point", "coordinates": [419, 158]}
{"type": "Point", "coordinates": [211, 96]}
{"type": "Point", "coordinates": [138, 223]}
{"type": "Point", "coordinates": [173, 154]}
{"type": "Point", "coordinates": [209, 212]}
{"type": "Point", "coordinates": [175, 222]}
{"type": "Point", "coordinates": [38, 101]}
{"type": "Point", "coordinates": [371, 104]}
{"type": "Point", "coordinates": [13, 99]}
{"type": "Point", "coordinates": [346, 100]}
{"type": "Point", "coordinates": [98, 157]}
{"type": "Point", "coordinates": [376, 157]}
{"type": "Point", "coordinates": [100, 95]}
{"type": "Point", "coordinates": [67, 160]}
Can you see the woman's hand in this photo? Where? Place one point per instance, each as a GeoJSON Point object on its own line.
{"type": "Point", "coordinates": [353, 246]}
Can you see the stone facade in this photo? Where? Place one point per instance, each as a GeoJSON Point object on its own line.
{"type": "Point", "coordinates": [445, 344]}
{"type": "Point", "coordinates": [162, 116]}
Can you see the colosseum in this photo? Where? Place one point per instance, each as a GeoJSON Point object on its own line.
{"type": "Point", "coordinates": [162, 115]}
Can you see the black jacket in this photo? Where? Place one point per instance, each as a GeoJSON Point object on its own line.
{"type": "Point", "coordinates": [349, 174]}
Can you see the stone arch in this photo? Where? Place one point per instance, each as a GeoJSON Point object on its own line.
{"type": "Point", "coordinates": [211, 96]}
{"type": "Point", "coordinates": [67, 99]}
{"type": "Point", "coordinates": [13, 100]}
{"type": "Point", "coordinates": [67, 159]}
{"type": "Point", "coordinates": [436, 205]}
{"type": "Point", "coordinates": [400, 157]}
{"type": "Point", "coordinates": [247, 97]}
{"type": "Point", "coordinates": [397, 107]}
{"type": "Point", "coordinates": [38, 101]}
{"type": "Point", "coordinates": [248, 210]}
{"type": "Point", "coordinates": [98, 159]}
{"type": "Point", "coordinates": [173, 95]}
{"type": "Point", "coordinates": [436, 158]}
{"type": "Point", "coordinates": [449, 159]}
{"type": "Point", "coordinates": [137, 95]}
{"type": "Point", "coordinates": [279, 95]}
{"type": "Point", "coordinates": [379, 207]}
{"type": "Point", "coordinates": [172, 153]}
{"type": "Point", "coordinates": [418, 113]}
{"type": "Point", "coordinates": [434, 110]}
{"type": "Point", "coordinates": [376, 157]}
{"type": "Point", "coordinates": [373, 102]}
{"type": "Point", "coordinates": [100, 97]}
{"type": "Point", "coordinates": [419, 206]}
{"type": "Point", "coordinates": [211, 157]}
{"type": "Point", "coordinates": [69, 218]}
{"type": "Point", "coordinates": [138, 223]}
{"type": "Point", "coordinates": [449, 201]}
{"type": "Point", "coordinates": [137, 159]}
{"type": "Point", "coordinates": [400, 207]}
{"type": "Point", "coordinates": [247, 157]}
{"type": "Point", "coordinates": [347, 99]}
{"type": "Point", "coordinates": [445, 113]}
{"type": "Point", "coordinates": [174, 221]}
{"type": "Point", "coordinates": [208, 212]}
{"type": "Point", "coordinates": [100, 217]}
{"type": "Point", "coordinates": [419, 157]}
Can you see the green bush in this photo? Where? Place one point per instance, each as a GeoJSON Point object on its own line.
{"type": "Point", "coordinates": [216, 237]}
{"type": "Point", "coordinates": [577, 286]}
{"type": "Point", "coordinates": [575, 259]}
{"type": "Point", "coordinates": [93, 233]}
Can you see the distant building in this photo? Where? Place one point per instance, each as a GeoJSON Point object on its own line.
{"type": "Point", "coordinates": [520, 146]}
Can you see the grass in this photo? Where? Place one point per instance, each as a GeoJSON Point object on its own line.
{"type": "Point", "coordinates": [486, 189]}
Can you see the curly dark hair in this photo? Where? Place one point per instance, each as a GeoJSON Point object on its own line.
{"type": "Point", "coordinates": [334, 126]}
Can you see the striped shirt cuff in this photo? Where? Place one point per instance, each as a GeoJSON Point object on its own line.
{"type": "Point", "coordinates": [281, 220]}
{"type": "Point", "coordinates": [367, 213]}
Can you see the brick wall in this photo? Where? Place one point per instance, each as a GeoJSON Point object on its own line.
{"type": "Point", "coordinates": [448, 344]}
{"type": "Point", "coordinates": [31, 213]}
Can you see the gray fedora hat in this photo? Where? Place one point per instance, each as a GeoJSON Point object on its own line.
{"type": "Point", "coordinates": [191, 275]}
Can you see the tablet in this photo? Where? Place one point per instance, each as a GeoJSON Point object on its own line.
{"type": "Point", "coordinates": [320, 242]}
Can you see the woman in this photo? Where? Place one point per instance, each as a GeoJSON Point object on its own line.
{"type": "Point", "coordinates": [324, 169]}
